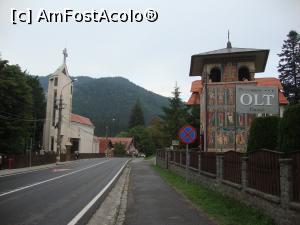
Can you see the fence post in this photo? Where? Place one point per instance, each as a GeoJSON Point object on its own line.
{"type": "Point", "coordinates": [219, 162]}
{"type": "Point", "coordinates": [199, 162]}
{"type": "Point", "coordinates": [285, 182]}
{"type": "Point", "coordinates": [244, 173]}
{"type": "Point", "coordinates": [180, 157]}
{"type": "Point", "coordinates": [187, 158]}
{"type": "Point", "coordinates": [166, 158]}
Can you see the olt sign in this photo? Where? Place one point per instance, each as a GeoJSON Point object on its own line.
{"type": "Point", "coordinates": [253, 99]}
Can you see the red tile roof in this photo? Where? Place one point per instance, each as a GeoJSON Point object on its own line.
{"type": "Point", "coordinates": [269, 81]}
{"type": "Point", "coordinates": [81, 119]}
{"type": "Point", "coordinates": [273, 82]}
{"type": "Point", "coordinates": [105, 143]}
{"type": "Point", "coordinates": [197, 86]}
{"type": "Point", "coordinates": [194, 99]}
{"type": "Point", "coordinates": [125, 141]}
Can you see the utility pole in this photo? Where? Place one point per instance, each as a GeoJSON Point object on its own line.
{"type": "Point", "coordinates": [30, 152]}
{"type": "Point", "coordinates": [60, 107]}
{"type": "Point", "coordinates": [106, 140]}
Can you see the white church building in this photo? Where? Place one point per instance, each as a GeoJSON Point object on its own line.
{"type": "Point", "coordinates": [76, 130]}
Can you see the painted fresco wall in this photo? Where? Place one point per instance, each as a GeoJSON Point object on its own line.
{"type": "Point", "coordinates": [225, 127]}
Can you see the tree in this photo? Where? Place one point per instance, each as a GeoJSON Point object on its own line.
{"type": "Point", "coordinates": [137, 116]}
{"type": "Point", "coordinates": [289, 67]}
{"type": "Point", "coordinates": [174, 116]}
{"type": "Point", "coordinates": [119, 149]}
{"type": "Point", "coordinates": [15, 108]}
{"type": "Point", "coordinates": [142, 140]}
{"type": "Point", "coordinates": [156, 133]}
{"type": "Point", "coordinates": [123, 134]}
{"type": "Point", "coordinates": [289, 130]}
{"type": "Point", "coordinates": [22, 109]}
{"type": "Point", "coordinates": [38, 109]}
{"type": "Point", "coordinates": [263, 133]}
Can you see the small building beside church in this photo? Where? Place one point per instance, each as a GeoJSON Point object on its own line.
{"type": "Point", "coordinates": [82, 135]}
{"type": "Point", "coordinates": [75, 129]}
{"type": "Point", "coordinates": [106, 145]}
{"type": "Point", "coordinates": [221, 71]}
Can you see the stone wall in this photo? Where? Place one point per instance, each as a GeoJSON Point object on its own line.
{"type": "Point", "coordinates": [280, 208]}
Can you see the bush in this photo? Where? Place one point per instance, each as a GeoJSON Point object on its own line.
{"type": "Point", "coordinates": [263, 133]}
{"type": "Point", "coordinates": [119, 149]}
{"type": "Point", "coordinates": [289, 129]}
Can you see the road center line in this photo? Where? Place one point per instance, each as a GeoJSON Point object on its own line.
{"type": "Point", "coordinates": [52, 179]}
{"type": "Point", "coordinates": [92, 202]}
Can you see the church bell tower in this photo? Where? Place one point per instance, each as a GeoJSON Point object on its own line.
{"type": "Point", "coordinates": [221, 70]}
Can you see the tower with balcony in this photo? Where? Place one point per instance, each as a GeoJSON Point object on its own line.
{"type": "Point", "coordinates": [221, 70]}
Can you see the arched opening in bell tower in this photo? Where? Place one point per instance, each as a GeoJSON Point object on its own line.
{"type": "Point", "coordinates": [244, 74]}
{"type": "Point", "coordinates": [215, 75]}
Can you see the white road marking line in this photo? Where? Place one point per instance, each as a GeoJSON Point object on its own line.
{"type": "Point", "coordinates": [92, 202]}
{"type": "Point", "coordinates": [35, 170]}
{"type": "Point", "coordinates": [29, 171]}
{"type": "Point", "coordinates": [55, 178]}
{"type": "Point", "coordinates": [59, 170]}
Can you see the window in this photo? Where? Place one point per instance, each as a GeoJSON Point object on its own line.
{"type": "Point", "coordinates": [55, 81]}
{"type": "Point", "coordinates": [244, 74]}
{"type": "Point", "coordinates": [215, 75]}
{"type": "Point", "coordinates": [52, 143]}
{"type": "Point", "coordinates": [54, 107]}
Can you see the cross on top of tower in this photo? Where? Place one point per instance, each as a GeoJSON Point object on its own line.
{"type": "Point", "coordinates": [228, 41]}
{"type": "Point", "coordinates": [65, 55]}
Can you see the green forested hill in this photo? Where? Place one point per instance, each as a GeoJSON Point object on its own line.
{"type": "Point", "coordinates": [108, 101]}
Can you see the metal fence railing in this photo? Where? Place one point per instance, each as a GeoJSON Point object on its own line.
{"type": "Point", "coordinates": [263, 170]}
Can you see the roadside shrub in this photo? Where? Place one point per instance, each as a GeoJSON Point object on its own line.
{"type": "Point", "coordinates": [289, 130]}
{"type": "Point", "coordinates": [263, 133]}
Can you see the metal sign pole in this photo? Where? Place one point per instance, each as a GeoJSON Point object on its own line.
{"type": "Point", "coordinates": [186, 163]}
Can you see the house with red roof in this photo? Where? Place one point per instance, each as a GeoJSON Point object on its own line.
{"type": "Point", "coordinates": [106, 145]}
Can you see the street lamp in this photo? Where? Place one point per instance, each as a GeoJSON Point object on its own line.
{"type": "Point", "coordinates": [60, 107]}
{"type": "Point", "coordinates": [113, 133]}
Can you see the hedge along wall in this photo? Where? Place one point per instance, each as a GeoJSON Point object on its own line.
{"type": "Point", "coordinates": [289, 130]}
{"type": "Point", "coordinates": [263, 133]}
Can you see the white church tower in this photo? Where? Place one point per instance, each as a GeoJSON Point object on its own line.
{"type": "Point", "coordinates": [59, 86]}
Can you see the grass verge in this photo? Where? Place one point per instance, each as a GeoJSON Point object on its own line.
{"type": "Point", "coordinates": [223, 210]}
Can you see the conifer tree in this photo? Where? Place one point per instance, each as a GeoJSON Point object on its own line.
{"type": "Point", "coordinates": [137, 116]}
{"type": "Point", "coordinates": [174, 117]}
{"type": "Point", "coordinates": [289, 67]}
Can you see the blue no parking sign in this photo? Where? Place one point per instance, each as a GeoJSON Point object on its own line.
{"type": "Point", "coordinates": [187, 134]}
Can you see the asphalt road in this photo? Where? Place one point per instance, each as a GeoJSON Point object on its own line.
{"type": "Point", "coordinates": [56, 195]}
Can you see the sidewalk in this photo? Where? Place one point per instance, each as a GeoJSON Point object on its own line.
{"type": "Point", "coordinates": [151, 201]}
{"type": "Point", "coordinates": [9, 172]}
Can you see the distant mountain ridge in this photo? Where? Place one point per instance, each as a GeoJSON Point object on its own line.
{"type": "Point", "coordinates": [108, 101]}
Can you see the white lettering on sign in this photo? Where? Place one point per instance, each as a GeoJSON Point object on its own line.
{"type": "Point", "coordinates": [269, 98]}
{"type": "Point", "coordinates": [247, 99]}
{"type": "Point", "coordinates": [253, 99]}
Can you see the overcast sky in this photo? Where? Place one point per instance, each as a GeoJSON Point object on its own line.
{"type": "Point", "coordinates": [152, 55]}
